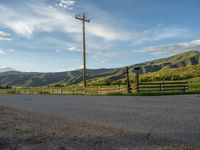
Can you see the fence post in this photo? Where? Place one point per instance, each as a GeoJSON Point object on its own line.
{"type": "Point", "coordinates": [99, 90]}
{"type": "Point", "coordinates": [61, 91]}
{"type": "Point", "coordinates": [84, 89]}
{"type": "Point", "coordinates": [137, 78]}
{"type": "Point", "coordinates": [137, 82]}
{"type": "Point", "coordinates": [52, 90]}
{"type": "Point", "coordinates": [118, 88]}
{"type": "Point", "coordinates": [162, 86]}
{"type": "Point", "coordinates": [186, 87]}
{"type": "Point", "coordinates": [73, 90]}
{"type": "Point", "coordinates": [127, 80]}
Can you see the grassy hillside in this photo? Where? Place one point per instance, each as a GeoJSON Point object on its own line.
{"type": "Point", "coordinates": [15, 78]}
{"type": "Point", "coordinates": [181, 60]}
{"type": "Point", "coordinates": [173, 74]}
{"type": "Point", "coordinates": [184, 65]}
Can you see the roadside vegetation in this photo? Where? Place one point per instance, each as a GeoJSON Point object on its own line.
{"type": "Point", "coordinates": [182, 67]}
{"type": "Point", "coordinates": [102, 89]}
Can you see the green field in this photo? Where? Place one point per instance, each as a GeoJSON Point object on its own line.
{"type": "Point", "coordinates": [178, 67]}
{"type": "Point", "coordinates": [194, 84]}
{"type": "Point", "coordinates": [193, 88]}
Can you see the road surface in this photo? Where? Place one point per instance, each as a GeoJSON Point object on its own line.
{"type": "Point", "coordinates": [170, 117]}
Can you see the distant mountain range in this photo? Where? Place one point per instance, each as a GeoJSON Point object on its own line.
{"type": "Point", "coordinates": [6, 69]}
{"type": "Point", "coordinates": [16, 78]}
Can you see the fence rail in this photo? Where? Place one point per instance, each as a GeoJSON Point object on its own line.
{"type": "Point", "coordinates": [102, 90]}
{"type": "Point", "coordinates": [66, 90]}
{"type": "Point", "coordinates": [163, 86]}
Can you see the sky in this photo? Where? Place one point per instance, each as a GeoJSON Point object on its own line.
{"type": "Point", "coordinates": [44, 36]}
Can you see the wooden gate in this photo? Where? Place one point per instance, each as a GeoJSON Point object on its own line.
{"type": "Point", "coordinates": [163, 86]}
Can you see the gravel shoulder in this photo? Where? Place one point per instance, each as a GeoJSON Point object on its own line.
{"type": "Point", "coordinates": [21, 130]}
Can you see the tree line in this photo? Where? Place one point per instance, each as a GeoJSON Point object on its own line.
{"type": "Point", "coordinates": [5, 87]}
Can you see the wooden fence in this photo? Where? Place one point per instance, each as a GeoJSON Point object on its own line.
{"type": "Point", "coordinates": [163, 86]}
{"type": "Point", "coordinates": [101, 90]}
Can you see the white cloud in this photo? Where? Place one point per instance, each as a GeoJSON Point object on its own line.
{"type": "Point", "coordinates": [66, 3]}
{"type": "Point", "coordinates": [42, 18]}
{"type": "Point", "coordinates": [74, 49]}
{"type": "Point", "coordinates": [159, 33]}
{"type": "Point", "coordinates": [3, 67]}
{"type": "Point", "coordinates": [5, 36]}
{"type": "Point", "coordinates": [11, 50]}
{"type": "Point", "coordinates": [73, 68]}
{"type": "Point", "coordinates": [58, 51]}
{"type": "Point", "coordinates": [22, 27]}
{"type": "Point", "coordinates": [2, 52]}
{"type": "Point", "coordinates": [39, 17]}
{"type": "Point", "coordinates": [106, 32]}
{"type": "Point", "coordinates": [174, 48]}
{"type": "Point", "coordinates": [103, 56]}
{"type": "Point", "coordinates": [5, 51]}
{"type": "Point", "coordinates": [45, 19]}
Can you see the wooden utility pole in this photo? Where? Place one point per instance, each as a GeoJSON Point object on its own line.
{"type": "Point", "coordinates": [83, 19]}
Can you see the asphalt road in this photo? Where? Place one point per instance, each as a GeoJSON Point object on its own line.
{"type": "Point", "coordinates": [174, 117]}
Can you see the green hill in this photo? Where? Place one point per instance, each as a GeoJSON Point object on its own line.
{"type": "Point", "coordinates": [173, 74]}
{"type": "Point", "coordinates": [15, 78]}
{"type": "Point", "coordinates": [180, 66]}
{"type": "Point", "coordinates": [164, 66]}
{"type": "Point", "coordinates": [181, 60]}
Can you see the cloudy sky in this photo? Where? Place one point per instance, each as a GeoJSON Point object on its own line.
{"type": "Point", "coordinates": [44, 36]}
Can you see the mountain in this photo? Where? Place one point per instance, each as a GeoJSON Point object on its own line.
{"type": "Point", "coordinates": [98, 76]}
{"type": "Point", "coordinates": [182, 73]}
{"type": "Point", "coordinates": [177, 61]}
{"type": "Point", "coordinates": [187, 61]}
{"type": "Point", "coordinates": [16, 78]}
{"type": "Point", "coordinates": [6, 69]}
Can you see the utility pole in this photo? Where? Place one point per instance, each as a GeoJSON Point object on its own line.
{"type": "Point", "coordinates": [83, 19]}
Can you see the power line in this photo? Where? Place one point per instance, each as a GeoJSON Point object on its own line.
{"type": "Point", "coordinates": [47, 41]}
{"type": "Point", "coordinates": [83, 19]}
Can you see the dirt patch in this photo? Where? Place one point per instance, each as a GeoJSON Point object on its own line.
{"type": "Point", "coordinates": [22, 130]}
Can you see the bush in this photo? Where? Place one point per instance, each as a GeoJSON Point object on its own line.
{"type": "Point", "coordinates": [46, 92]}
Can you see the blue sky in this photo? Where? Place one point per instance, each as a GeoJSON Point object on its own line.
{"type": "Point", "coordinates": [44, 36]}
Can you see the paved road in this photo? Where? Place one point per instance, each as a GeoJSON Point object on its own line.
{"type": "Point", "coordinates": [176, 117]}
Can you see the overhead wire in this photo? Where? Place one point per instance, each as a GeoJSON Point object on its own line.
{"type": "Point", "coordinates": [47, 41]}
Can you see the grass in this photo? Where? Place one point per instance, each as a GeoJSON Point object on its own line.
{"type": "Point", "coordinates": [194, 84]}
{"type": "Point", "coordinates": [153, 93]}
{"type": "Point", "coordinates": [194, 88]}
